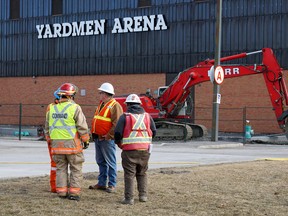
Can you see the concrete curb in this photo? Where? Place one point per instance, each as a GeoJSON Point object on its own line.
{"type": "Point", "coordinates": [202, 144]}
{"type": "Point", "coordinates": [270, 139]}
{"type": "Point", "coordinates": [228, 145]}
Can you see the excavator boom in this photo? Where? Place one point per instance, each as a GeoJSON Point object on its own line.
{"type": "Point", "coordinates": [166, 110]}
{"type": "Point", "coordinates": [175, 95]}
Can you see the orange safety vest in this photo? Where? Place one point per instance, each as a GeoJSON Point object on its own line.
{"type": "Point", "coordinates": [102, 123]}
{"type": "Point", "coordinates": [137, 133]}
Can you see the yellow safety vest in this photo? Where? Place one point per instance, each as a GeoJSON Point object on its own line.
{"type": "Point", "coordinates": [61, 121]}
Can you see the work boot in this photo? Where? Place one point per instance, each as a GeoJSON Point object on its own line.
{"type": "Point", "coordinates": [127, 202]}
{"type": "Point", "coordinates": [74, 197]}
{"type": "Point", "coordinates": [110, 189]}
{"type": "Point", "coordinates": [62, 195]}
{"type": "Point", "coordinates": [143, 199]}
{"type": "Point", "coordinates": [97, 187]}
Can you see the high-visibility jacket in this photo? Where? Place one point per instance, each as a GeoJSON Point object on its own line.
{"type": "Point", "coordinates": [102, 123]}
{"type": "Point", "coordinates": [51, 104]}
{"type": "Point", "coordinates": [61, 122]}
{"type": "Point", "coordinates": [62, 127]}
{"type": "Point", "coordinates": [137, 134]}
{"type": "Point", "coordinates": [48, 139]}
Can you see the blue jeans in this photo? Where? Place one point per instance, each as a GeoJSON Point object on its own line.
{"type": "Point", "coordinates": [106, 160]}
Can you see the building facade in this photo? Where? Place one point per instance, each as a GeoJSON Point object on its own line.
{"type": "Point", "coordinates": [44, 43]}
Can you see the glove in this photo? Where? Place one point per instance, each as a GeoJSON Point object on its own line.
{"type": "Point", "coordinates": [85, 145]}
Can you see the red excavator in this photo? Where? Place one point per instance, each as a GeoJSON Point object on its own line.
{"type": "Point", "coordinates": [168, 110]}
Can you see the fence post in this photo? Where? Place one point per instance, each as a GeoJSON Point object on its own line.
{"type": "Point", "coordinates": [244, 123]}
{"type": "Point", "coordinates": [20, 120]}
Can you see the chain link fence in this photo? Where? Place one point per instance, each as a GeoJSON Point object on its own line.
{"type": "Point", "coordinates": [27, 120]}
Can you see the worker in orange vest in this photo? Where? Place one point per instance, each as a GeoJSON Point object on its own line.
{"type": "Point", "coordinates": [67, 132]}
{"type": "Point", "coordinates": [103, 125]}
{"type": "Point", "coordinates": [133, 134]}
{"type": "Point", "coordinates": [52, 162]}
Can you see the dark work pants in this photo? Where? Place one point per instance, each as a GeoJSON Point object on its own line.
{"type": "Point", "coordinates": [135, 163]}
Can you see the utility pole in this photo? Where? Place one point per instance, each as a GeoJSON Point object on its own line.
{"type": "Point", "coordinates": [216, 87]}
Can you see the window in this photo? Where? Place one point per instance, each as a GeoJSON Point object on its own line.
{"type": "Point", "coordinates": [200, 1]}
{"type": "Point", "coordinates": [144, 3]}
{"type": "Point", "coordinates": [57, 7]}
{"type": "Point", "coordinates": [14, 9]}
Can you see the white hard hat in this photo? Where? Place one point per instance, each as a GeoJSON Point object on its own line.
{"type": "Point", "coordinates": [133, 98]}
{"type": "Point", "coordinates": [107, 87]}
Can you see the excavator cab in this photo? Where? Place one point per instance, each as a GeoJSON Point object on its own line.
{"type": "Point", "coordinates": [161, 90]}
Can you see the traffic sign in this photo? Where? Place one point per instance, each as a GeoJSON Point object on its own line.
{"type": "Point", "coordinates": [219, 75]}
{"type": "Point", "coordinates": [211, 73]}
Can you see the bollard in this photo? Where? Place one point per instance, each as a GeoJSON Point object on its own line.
{"type": "Point", "coordinates": [249, 132]}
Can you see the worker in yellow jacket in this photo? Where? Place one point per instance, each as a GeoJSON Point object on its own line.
{"type": "Point", "coordinates": [67, 131]}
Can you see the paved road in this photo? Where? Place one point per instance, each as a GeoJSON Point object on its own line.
{"type": "Point", "coordinates": [30, 158]}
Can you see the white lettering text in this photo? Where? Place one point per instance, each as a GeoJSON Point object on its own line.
{"type": "Point", "coordinates": [231, 71]}
{"type": "Point", "coordinates": [96, 27]}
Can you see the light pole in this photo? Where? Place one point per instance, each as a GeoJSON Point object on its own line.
{"type": "Point", "coordinates": [216, 87]}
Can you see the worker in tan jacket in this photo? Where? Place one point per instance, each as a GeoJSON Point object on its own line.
{"type": "Point", "coordinates": [67, 132]}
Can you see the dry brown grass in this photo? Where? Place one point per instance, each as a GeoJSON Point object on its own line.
{"type": "Point", "coordinates": [252, 188]}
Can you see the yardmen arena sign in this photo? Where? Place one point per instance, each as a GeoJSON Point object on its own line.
{"type": "Point", "coordinates": [97, 27]}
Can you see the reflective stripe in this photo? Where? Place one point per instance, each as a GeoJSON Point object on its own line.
{"type": "Point", "coordinates": [53, 168]}
{"type": "Point", "coordinates": [139, 126]}
{"type": "Point", "coordinates": [60, 149]}
{"type": "Point", "coordinates": [66, 150]}
{"type": "Point", "coordinates": [65, 126]}
{"type": "Point", "coordinates": [103, 118]}
{"type": "Point", "coordinates": [102, 122]}
{"type": "Point", "coordinates": [61, 123]}
{"type": "Point", "coordinates": [109, 107]}
{"type": "Point", "coordinates": [62, 190]}
{"type": "Point", "coordinates": [74, 190]}
{"type": "Point", "coordinates": [133, 140]}
{"type": "Point", "coordinates": [137, 133]}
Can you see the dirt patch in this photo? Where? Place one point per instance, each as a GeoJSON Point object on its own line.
{"type": "Point", "coordinates": [252, 188]}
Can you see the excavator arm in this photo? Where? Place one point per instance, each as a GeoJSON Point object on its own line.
{"type": "Point", "coordinates": [174, 97]}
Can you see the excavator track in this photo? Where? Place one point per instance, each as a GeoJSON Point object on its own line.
{"type": "Point", "coordinates": [167, 130]}
{"type": "Point", "coordinates": [173, 131]}
{"type": "Point", "coordinates": [198, 130]}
